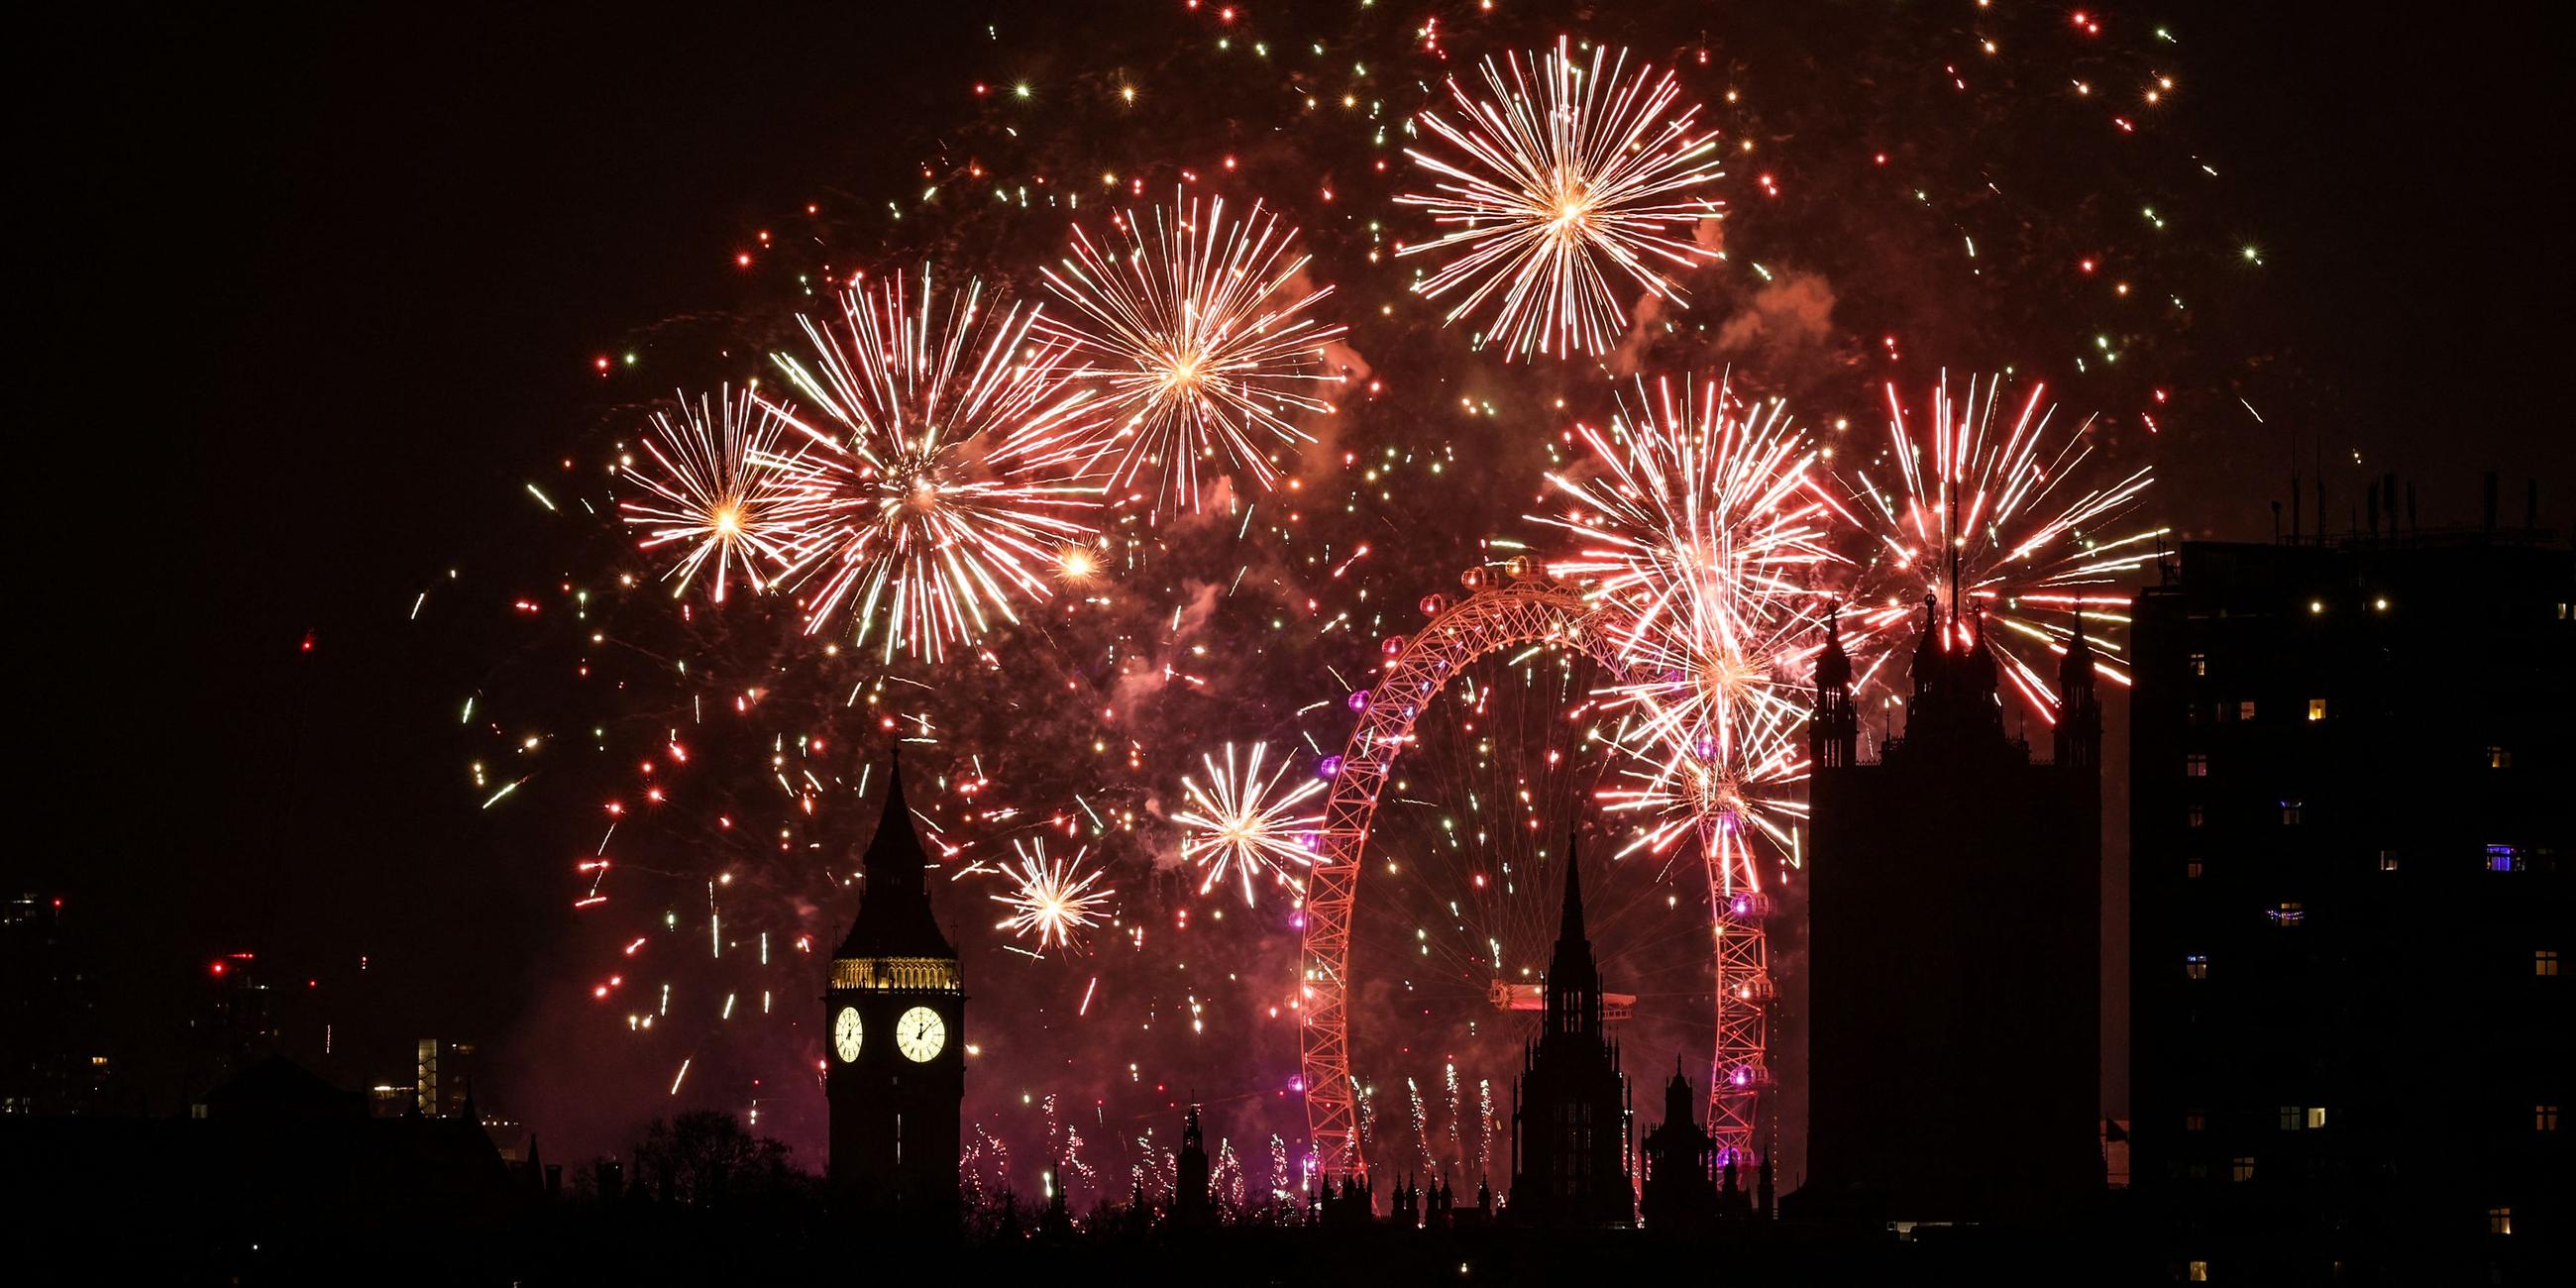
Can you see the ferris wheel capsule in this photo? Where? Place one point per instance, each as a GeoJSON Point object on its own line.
{"type": "Point", "coordinates": [1434, 605]}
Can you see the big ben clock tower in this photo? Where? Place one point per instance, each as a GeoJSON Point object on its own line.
{"type": "Point", "coordinates": [895, 1024]}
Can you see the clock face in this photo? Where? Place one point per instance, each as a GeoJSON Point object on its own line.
{"type": "Point", "coordinates": [920, 1034]}
{"type": "Point", "coordinates": [846, 1034]}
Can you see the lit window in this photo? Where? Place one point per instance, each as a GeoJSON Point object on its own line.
{"type": "Point", "coordinates": [2544, 1117]}
{"type": "Point", "coordinates": [2242, 1169]}
{"type": "Point", "coordinates": [2316, 708]}
{"type": "Point", "coordinates": [2290, 812]}
{"type": "Point", "coordinates": [2199, 1272]}
{"type": "Point", "coordinates": [2500, 1220]}
{"type": "Point", "coordinates": [2288, 914]}
{"type": "Point", "coordinates": [2194, 816]}
{"type": "Point", "coordinates": [2191, 869]}
{"type": "Point", "coordinates": [2200, 664]}
{"type": "Point", "coordinates": [2388, 860]}
{"type": "Point", "coordinates": [2316, 1117]}
{"type": "Point", "coordinates": [2503, 858]}
{"type": "Point", "coordinates": [2544, 963]}
{"type": "Point", "coordinates": [2195, 1119]}
{"type": "Point", "coordinates": [2293, 1117]}
{"type": "Point", "coordinates": [2245, 710]}
{"type": "Point", "coordinates": [2196, 966]}
{"type": "Point", "coordinates": [2499, 758]}
{"type": "Point", "coordinates": [2195, 765]}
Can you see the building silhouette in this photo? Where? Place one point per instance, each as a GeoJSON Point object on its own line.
{"type": "Point", "coordinates": [1570, 1112]}
{"type": "Point", "coordinates": [1954, 940]}
{"type": "Point", "coordinates": [2350, 835]}
{"type": "Point", "coordinates": [1192, 1203]}
{"type": "Point", "coordinates": [53, 1059]}
{"type": "Point", "coordinates": [442, 1077]}
{"type": "Point", "coordinates": [1680, 1189]}
{"type": "Point", "coordinates": [895, 1036]}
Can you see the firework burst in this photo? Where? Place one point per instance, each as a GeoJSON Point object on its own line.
{"type": "Point", "coordinates": [1051, 900]}
{"type": "Point", "coordinates": [936, 482]}
{"type": "Point", "coordinates": [1562, 174]}
{"type": "Point", "coordinates": [1199, 335]}
{"type": "Point", "coordinates": [1242, 823]}
{"type": "Point", "coordinates": [1996, 514]}
{"type": "Point", "coordinates": [1703, 536]}
{"type": "Point", "coordinates": [1704, 524]}
{"type": "Point", "coordinates": [716, 492]}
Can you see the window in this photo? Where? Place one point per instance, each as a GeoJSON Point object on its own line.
{"type": "Point", "coordinates": [2290, 812]}
{"type": "Point", "coordinates": [2293, 1117]}
{"type": "Point", "coordinates": [2544, 962]}
{"type": "Point", "coordinates": [2245, 709]}
{"type": "Point", "coordinates": [2500, 1220]}
{"type": "Point", "coordinates": [2242, 1170]}
{"type": "Point", "coordinates": [2196, 966]}
{"type": "Point", "coordinates": [2194, 816]}
{"type": "Point", "coordinates": [2503, 858]}
{"type": "Point", "coordinates": [2316, 1117]}
{"type": "Point", "coordinates": [2192, 868]}
{"type": "Point", "coordinates": [2499, 757]}
{"type": "Point", "coordinates": [2544, 1117]}
{"type": "Point", "coordinates": [2195, 765]}
{"type": "Point", "coordinates": [2316, 708]}
{"type": "Point", "coordinates": [2388, 860]}
{"type": "Point", "coordinates": [2199, 1272]}
{"type": "Point", "coordinates": [2199, 664]}
{"type": "Point", "coordinates": [2288, 914]}
{"type": "Point", "coordinates": [2195, 1120]}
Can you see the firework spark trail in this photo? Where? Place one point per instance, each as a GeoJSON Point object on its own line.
{"type": "Point", "coordinates": [1449, 1075]}
{"type": "Point", "coordinates": [1999, 518]}
{"type": "Point", "coordinates": [1226, 1178]}
{"type": "Point", "coordinates": [1200, 337]}
{"type": "Point", "coordinates": [1279, 1189]}
{"type": "Point", "coordinates": [938, 480]}
{"type": "Point", "coordinates": [1421, 1120]}
{"type": "Point", "coordinates": [1240, 822]}
{"type": "Point", "coordinates": [1565, 172]}
{"type": "Point", "coordinates": [1051, 901]}
{"type": "Point", "coordinates": [717, 488]}
{"type": "Point", "coordinates": [1484, 1125]}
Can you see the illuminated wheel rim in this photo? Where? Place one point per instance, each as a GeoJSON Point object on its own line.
{"type": "Point", "coordinates": [1496, 616]}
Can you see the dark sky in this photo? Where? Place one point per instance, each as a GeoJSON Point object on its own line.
{"type": "Point", "coordinates": [313, 296]}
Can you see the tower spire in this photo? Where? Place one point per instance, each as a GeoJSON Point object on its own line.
{"type": "Point", "coordinates": [1570, 921]}
{"type": "Point", "coordinates": [895, 917]}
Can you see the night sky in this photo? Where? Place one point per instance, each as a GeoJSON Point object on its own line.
{"type": "Point", "coordinates": [314, 298]}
